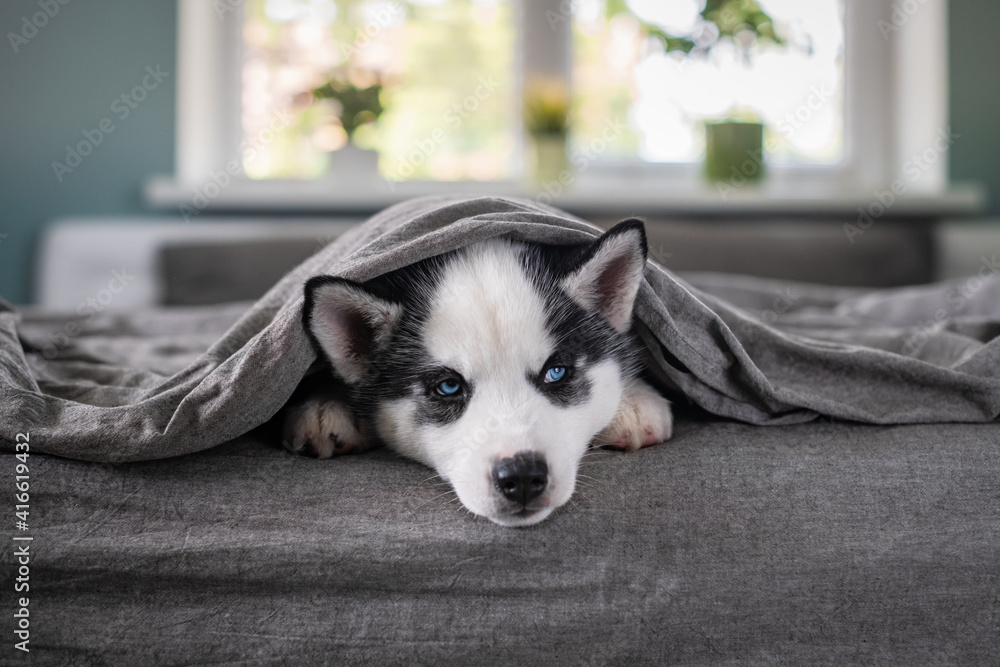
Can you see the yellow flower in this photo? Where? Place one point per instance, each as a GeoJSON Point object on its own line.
{"type": "Point", "coordinates": [546, 106]}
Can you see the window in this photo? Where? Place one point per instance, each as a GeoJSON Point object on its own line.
{"type": "Point", "coordinates": [845, 102]}
{"type": "Point", "coordinates": [620, 71]}
{"type": "Point", "coordinates": [446, 68]}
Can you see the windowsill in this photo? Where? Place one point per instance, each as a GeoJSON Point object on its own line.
{"type": "Point", "coordinates": [327, 196]}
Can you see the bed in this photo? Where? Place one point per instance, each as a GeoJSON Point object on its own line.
{"type": "Point", "coordinates": [793, 518]}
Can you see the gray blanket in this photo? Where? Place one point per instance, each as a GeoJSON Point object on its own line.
{"type": "Point", "coordinates": [159, 384]}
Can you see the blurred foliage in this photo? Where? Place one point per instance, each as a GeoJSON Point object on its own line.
{"type": "Point", "coordinates": [450, 109]}
{"type": "Point", "coordinates": [742, 21]}
{"type": "Point", "coordinates": [357, 106]}
{"type": "Point", "coordinates": [546, 106]}
{"type": "Point", "coordinates": [439, 82]}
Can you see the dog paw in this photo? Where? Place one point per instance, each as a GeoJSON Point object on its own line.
{"type": "Point", "coordinates": [644, 418]}
{"type": "Point", "coordinates": [321, 429]}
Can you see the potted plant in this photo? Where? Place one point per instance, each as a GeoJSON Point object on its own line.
{"type": "Point", "coordinates": [736, 142]}
{"type": "Point", "coordinates": [734, 148]}
{"type": "Point", "coordinates": [355, 106]}
{"type": "Point", "coordinates": [546, 120]}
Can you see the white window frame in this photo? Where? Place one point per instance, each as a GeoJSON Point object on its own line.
{"type": "Point", "coordinates": [895, 102]}
{"type": "Point", "coordinates": [895, 98]}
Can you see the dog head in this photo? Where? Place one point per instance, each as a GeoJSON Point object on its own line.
{"type": "Point", "coordinates": [496, 365]}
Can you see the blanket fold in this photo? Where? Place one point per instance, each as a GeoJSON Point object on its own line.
{"type": "Point", "coordinates": [163, 383]}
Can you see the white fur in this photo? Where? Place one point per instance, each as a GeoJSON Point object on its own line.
{"type": "Point", "coordinates": [488, 322]}
{"type": "Point", "coordinates": [643, 419]}
{"type": "Point", "coordinates": [327, 425]}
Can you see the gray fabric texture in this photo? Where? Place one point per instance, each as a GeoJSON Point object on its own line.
{"type": "Point", "coordinates": [812, 544]}
{"type": "Point", "coordinates": [144, 386]}
{"type": "Point", "coordinates": [196, 274]}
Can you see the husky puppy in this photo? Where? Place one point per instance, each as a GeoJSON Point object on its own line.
{"type": "Point", "coordinates": [497, 365]}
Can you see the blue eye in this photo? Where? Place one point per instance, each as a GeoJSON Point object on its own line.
{"type": "Point", "coordinates": [555, 374]}
{"type": "Point", "coordinates": [449, 388]}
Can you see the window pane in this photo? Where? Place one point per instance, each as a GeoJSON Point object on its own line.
{"type": "Point", "coordinates": [447, 68]}
{"type": "Point", "coordinates": [655, 101]}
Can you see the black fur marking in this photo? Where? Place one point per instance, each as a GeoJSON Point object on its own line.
{"type": "Point", "coordinates": [573, 389]}
{"type": "Point", "coordinates": [582, 338]}
{"type": "Point", "coordinates": [441, 410]}
{"type": "Point", "coordinates": [404, 367]}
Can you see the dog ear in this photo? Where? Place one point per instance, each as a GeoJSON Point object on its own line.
{"type": "Point", "coordinates": [609, 273]}
{"type": "Point", "coordinates": [348, 323]}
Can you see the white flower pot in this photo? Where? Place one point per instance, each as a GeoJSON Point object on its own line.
{"type": "Point", "coordinates": [352, 165]}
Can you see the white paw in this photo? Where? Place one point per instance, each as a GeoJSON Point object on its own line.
{"type": "Point", "coordinates": [321, 429]}
{"type": "Point", "coordinates": [643, 419]}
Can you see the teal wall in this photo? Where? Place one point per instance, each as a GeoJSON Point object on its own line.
{"type": "Point", "coordinates": [61, 83]}
{"type": "Point", "coordinates": [974, 37]}
{"type": "Point", "coordinates": [65, 79]}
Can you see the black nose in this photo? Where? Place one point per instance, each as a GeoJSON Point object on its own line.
{"type": "Point", "coordinates": [521, 478]}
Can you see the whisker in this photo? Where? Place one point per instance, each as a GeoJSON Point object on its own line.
{"type": "Point", "coordinates": [591, 462]}
{"type": "Point", "coordinates": [432, 477]}
{"type": "Point", "coordinates": [444, 493]}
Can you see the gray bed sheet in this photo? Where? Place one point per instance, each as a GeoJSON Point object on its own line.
{"type": "Point", "coordinates": [820, 543]}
